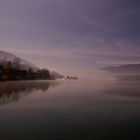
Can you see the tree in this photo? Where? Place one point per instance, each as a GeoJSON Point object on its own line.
{"type": "Point", "coordinates": [16, 63]}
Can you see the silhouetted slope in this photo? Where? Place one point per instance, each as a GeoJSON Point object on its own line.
{"type": "Point", "coordinates": [5, 56]}
{"type": "Point", "coordinates": [15, 68]}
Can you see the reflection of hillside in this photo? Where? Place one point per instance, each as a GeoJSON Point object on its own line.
{"type": "Point", "coordinates": [13, 91]}
{"type": "Point", "coordinates": [127, 89]}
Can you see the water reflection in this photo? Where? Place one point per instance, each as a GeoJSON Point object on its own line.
{"type": "Point", "coordinates": [126, 89]}
{"type": "Point", "coordinates": [75, 110]}
{"type": "Point", "coordinates": [13, 91]}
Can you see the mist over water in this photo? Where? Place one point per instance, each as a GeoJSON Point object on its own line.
{"type": "Point", "coordinates": [70, 109]}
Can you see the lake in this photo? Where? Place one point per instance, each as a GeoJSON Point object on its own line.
{"type": "Point", "coordinates": [70, 110]}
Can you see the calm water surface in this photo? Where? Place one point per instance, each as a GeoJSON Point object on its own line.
{"type": "Point", "coordinates": [70, 110]}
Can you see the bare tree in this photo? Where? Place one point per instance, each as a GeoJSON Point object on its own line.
{"type": "Point", "coordinates": [16, 63]}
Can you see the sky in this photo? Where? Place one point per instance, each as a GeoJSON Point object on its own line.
{"type": "Point", "coordinates": [72, 37]}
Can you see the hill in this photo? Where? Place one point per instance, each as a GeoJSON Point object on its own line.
{"type": "Point", "coordinates": [15, 68]}
{"type": "Point", "coordinates": [5, 56]}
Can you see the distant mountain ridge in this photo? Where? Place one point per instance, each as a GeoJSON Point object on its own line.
{"type": "Point", "coordinates": [129, 72]}
{"type": "Point", "coordinates": [129, 68]}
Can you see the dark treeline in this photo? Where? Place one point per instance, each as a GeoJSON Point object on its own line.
{"type": "Point", "coordinates": [10, 71]}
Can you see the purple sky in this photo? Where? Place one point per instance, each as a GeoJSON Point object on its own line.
{"type": "Point", "coordinates": [71, 36]}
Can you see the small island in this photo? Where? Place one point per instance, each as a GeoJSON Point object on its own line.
{"type": "Point", "coordinates": [72, 78]}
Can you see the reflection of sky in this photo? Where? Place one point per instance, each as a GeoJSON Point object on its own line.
{"type": "Point", "coordinates": [70, 36]}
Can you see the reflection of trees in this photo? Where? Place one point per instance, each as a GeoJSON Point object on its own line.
{"type": "Point", "coordinates": [13, 91]}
